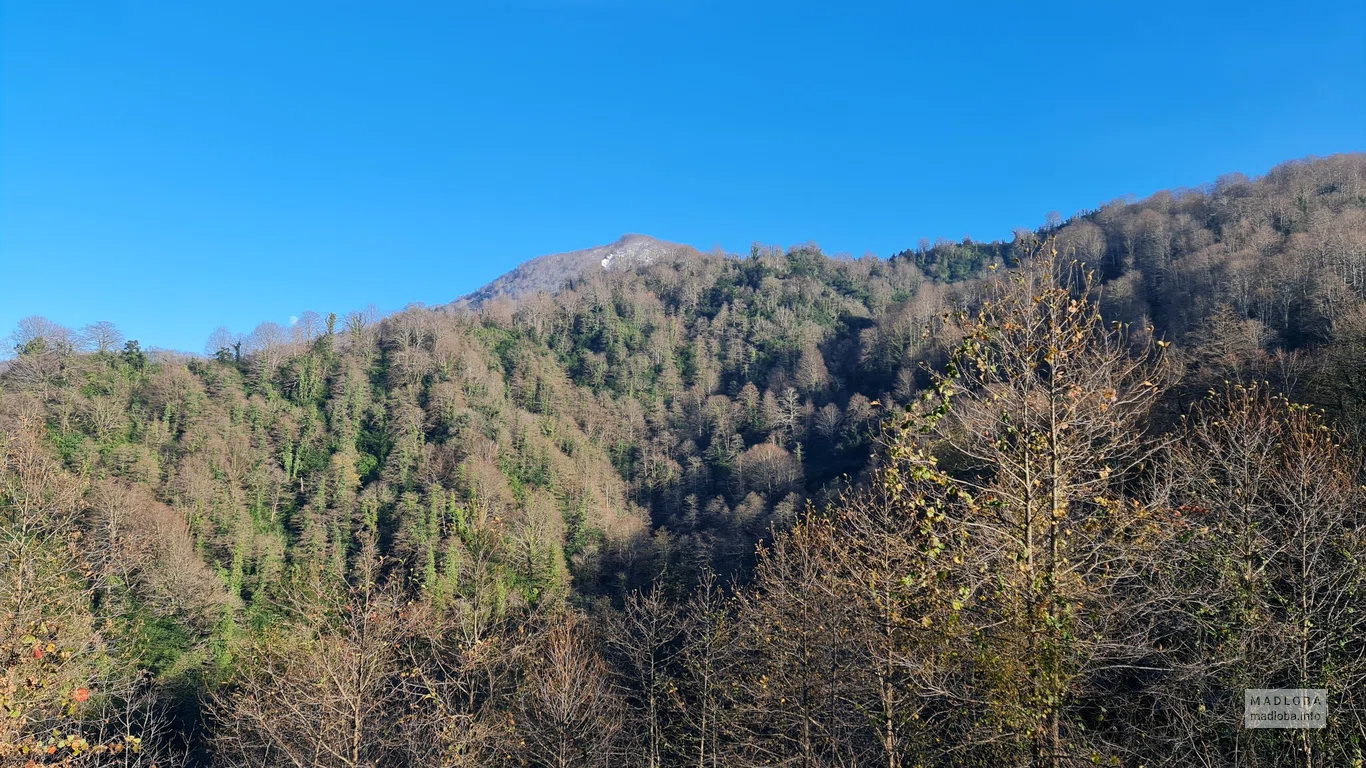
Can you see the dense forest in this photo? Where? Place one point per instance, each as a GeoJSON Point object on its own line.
{"type": "Point", "coordinates": [1055, 501]}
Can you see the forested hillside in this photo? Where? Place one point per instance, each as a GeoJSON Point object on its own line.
{"type": "Point", "coordinates": [1050, 502]}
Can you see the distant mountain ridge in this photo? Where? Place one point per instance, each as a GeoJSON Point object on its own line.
{"type": "Point", "coordinates": [550, 272]}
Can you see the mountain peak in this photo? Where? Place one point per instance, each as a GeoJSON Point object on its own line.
{"type": "Point", "coordinates": [552, 271]}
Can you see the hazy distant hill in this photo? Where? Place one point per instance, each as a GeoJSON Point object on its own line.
{"type": "Point", "coordinates": [550, 272]}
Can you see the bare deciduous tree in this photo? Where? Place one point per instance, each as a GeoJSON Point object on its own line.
{"type": "Point", "coordinates": [569, 712]}
{"type": "Point", "coordinates": [1271, 584]}
{"type": "Point", "coordinates": [1045, 422]}
{"type": "Point", "coordinates": [102, 336]}
{"type": "Point", "coordinates": [317, 693]}
{"type": "Point", "coordinates": [643, 640]}
{"type": "Point", "coordinates": [38, 334]}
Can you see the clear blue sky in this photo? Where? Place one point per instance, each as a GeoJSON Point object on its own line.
{"type": "Point", "coordinates": [174, 166]}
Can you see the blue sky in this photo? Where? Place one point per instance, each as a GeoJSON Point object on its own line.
{"type": "Point", "coordinates": [175, 166]}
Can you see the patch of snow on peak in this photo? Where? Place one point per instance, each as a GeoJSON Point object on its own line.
{"type": "Point", "coordinates": [550, 272]}
{"type": "Point", "coordinates": [634, 251]}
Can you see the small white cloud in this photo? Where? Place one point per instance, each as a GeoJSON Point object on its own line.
{"type": "Point", "coordinates": [293, 320]}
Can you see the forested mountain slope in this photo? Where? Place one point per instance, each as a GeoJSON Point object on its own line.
{"type": "Point", "coordinates": [372, 541]}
